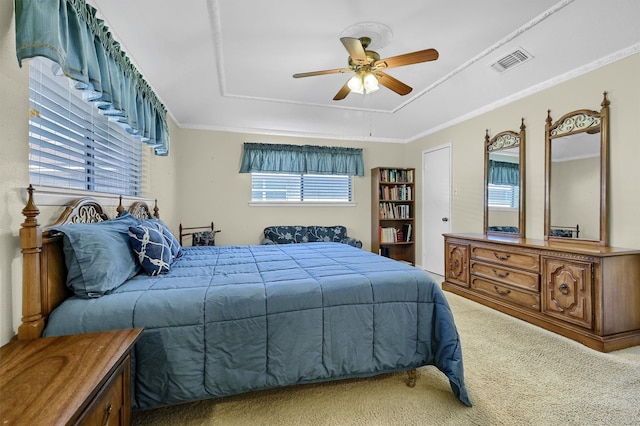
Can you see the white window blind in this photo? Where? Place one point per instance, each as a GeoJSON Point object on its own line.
{"type": "Point", "coordinates": [300, 187]}
{"type": "Point", "coordinates": [73, 145]}
{"type": "Point", "coordinates": [503, 196]}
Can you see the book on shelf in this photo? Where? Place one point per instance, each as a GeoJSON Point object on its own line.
{"type": "Point", "coordinates": [406, 230]}
{"type": "Point", "coordinates": [394, 211]}
{"type": "Point", "coordinates": [396, 193]}
{"type": "Point", "coordinates": [388, 235]}
{"type": "Point", "coordinates": [394, 235]}
{"type": "Point", "coordinates": [396, 175]}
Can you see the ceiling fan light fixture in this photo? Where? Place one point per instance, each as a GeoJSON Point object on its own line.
{"type": "Point", "coordinates": [370, 82]}
{"type": "Point", "coordinates": [356, 85]}
{"type": "Point", "coordinates": [363, 82]}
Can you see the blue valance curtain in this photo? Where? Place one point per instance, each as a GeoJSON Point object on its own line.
{"type": "Point", "coordinates": [68, 33]}
{"type": "Point", "coordinates": [504, 173]}
{"type": "Point", "coordinates": [306, 159]}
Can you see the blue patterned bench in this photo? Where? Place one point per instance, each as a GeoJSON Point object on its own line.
{"type": "Point", "coordinates": [307, 234]}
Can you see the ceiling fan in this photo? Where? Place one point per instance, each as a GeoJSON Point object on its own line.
{"type": "Point", "coordinates": [368, 68]}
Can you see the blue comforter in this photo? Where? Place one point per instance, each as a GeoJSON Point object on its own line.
{"type": "Point", "coordinates": [227, 320]}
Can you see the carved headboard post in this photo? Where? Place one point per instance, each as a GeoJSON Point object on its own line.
{"type": "Point", "coordinates": [31, 247]}
{"type": "Point", "coordinates": [156, 210]}
{"type": "Point", "coordinates": [44, 273]}
{"type": "Point", "coordinates": [120, 208]}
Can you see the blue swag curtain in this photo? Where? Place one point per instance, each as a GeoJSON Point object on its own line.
{"type": "Point", "coordinates": [306, 159]}
{"type": "Point", "coordinates": [68, 33]}
{"type": "Point", "coordinates": [504, 173]}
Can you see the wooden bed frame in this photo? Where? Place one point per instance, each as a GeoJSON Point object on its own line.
{"type": "Point", "coordinates": [43, 268]}
{"type": "Point", "coordinates": [44, 271]}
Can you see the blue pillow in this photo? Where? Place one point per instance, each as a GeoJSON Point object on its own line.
{"type": "Point", "coordinates": [98, 255]}
{"type": "Point", "coordinates": [151, 247]}
{"type": "Point", "coordinates": [176, 248]}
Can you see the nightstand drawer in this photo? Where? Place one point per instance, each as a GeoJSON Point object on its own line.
{"type": "Point", "coordinates": [107, 407]}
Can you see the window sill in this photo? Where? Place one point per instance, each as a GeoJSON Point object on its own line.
{"type": "Point", "coordinates": [503, 209]}
{"type": "Point", "coordinates": [299, 204]}
{"type": "Point", "coordinates": [50, 196]}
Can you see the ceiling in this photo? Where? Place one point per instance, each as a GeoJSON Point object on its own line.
{"type": "Point", "coordinates": [228, 64]}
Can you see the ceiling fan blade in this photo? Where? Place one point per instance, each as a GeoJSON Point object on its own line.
{"type": "Point", "coordinates": [343, 92]}
{"type": "Point", "coordinates": [408, 59]}
{"type": "Point", "coordinates": [312, 73]}
{"type": "Point", "coordinates": [355, 49]}
{"type": "Point", "coordinates": [392, 83]}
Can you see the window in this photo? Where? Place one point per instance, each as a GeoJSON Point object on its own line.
{"type": "Point", "coordinates": [300, 187]}
{"type": "Point", "coordinates": [504, 196]}
{"type": "Point", "coordinates": [72, 144]}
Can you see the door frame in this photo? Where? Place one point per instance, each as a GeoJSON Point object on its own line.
{"type": "Point", "coordinates": [424, 201]}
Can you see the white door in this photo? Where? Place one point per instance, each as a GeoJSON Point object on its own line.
{"type": "Point", "coordinates": [436, 206]}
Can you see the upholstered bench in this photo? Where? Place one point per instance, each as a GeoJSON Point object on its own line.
{"type": "Point", "coordinates": [308, 234]}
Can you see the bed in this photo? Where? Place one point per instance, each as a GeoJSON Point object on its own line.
{"type": "Point", "coordinates": [226, 320]}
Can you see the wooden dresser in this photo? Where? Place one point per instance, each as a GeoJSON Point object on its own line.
{"type": "Point", "coordinates": [586, 293]}
{"type": "Point", "coordinates": [79, 379]}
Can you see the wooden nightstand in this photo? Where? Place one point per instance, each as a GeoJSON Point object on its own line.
{"type": "Point", "coordinates": [77, 379]}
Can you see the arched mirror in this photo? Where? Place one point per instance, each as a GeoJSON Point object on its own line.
{"type": "Point", "coordinates": [576, 161]}
{"type": "Point", "coordinates": [504, 174]}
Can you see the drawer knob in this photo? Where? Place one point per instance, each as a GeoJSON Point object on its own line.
{"type": "Point", "coordinates": [500, 257]}
{"type": "Point", "coordinates": [564, 288]}
{"type": "Point", "coordinates": [502, 292]}
{"type": "Point", "coordinates": [505, 275]}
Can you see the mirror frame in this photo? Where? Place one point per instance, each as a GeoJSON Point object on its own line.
{"type": "Point", "coordinates": [571, 123]}
{"type": "Point", "coordinates": [501, 140]}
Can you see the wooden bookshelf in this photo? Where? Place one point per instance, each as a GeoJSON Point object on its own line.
{"type": "Point", "coordinates": [393, 213]}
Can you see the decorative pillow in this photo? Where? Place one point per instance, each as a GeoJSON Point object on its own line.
{"type": "Point", "coordinates": [176, 248]}
{"type": "Point", "coordinates": [151, 248]}
{"type": "Point", "coordinates": [98, 255]}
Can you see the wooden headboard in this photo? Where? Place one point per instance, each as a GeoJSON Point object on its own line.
{"type": "Point", "coordinates": [44, 273]}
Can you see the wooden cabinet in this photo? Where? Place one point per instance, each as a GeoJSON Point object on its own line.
{"type": "Point", "coordinates": [567, 291]}
{"type": "Point", "coordinates": [457, 263]}
{"type": "Point", "coordinates": [393, 213]}
{"type": "Point", "coordinates": [82, 379]}
{"type": "Point", "coordinates": [587, 293]}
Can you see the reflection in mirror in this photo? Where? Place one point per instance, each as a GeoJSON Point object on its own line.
{"type": "Point", "coordinates": [576, 170]}
{"type": "Point", "coordinates": [504, 183]}
{"type": "Point", "coordinates": [575, 193]}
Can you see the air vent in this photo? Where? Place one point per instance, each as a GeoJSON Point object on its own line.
{"type": "Point", "coordinates": [511, 60]}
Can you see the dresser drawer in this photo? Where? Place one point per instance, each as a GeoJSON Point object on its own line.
{"type": "Point", "coordinates": [522, 279]}
{"type": "Point", "coordinates": [510, 294]}
{"type": "Point", "coordinates": [527, 261]}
